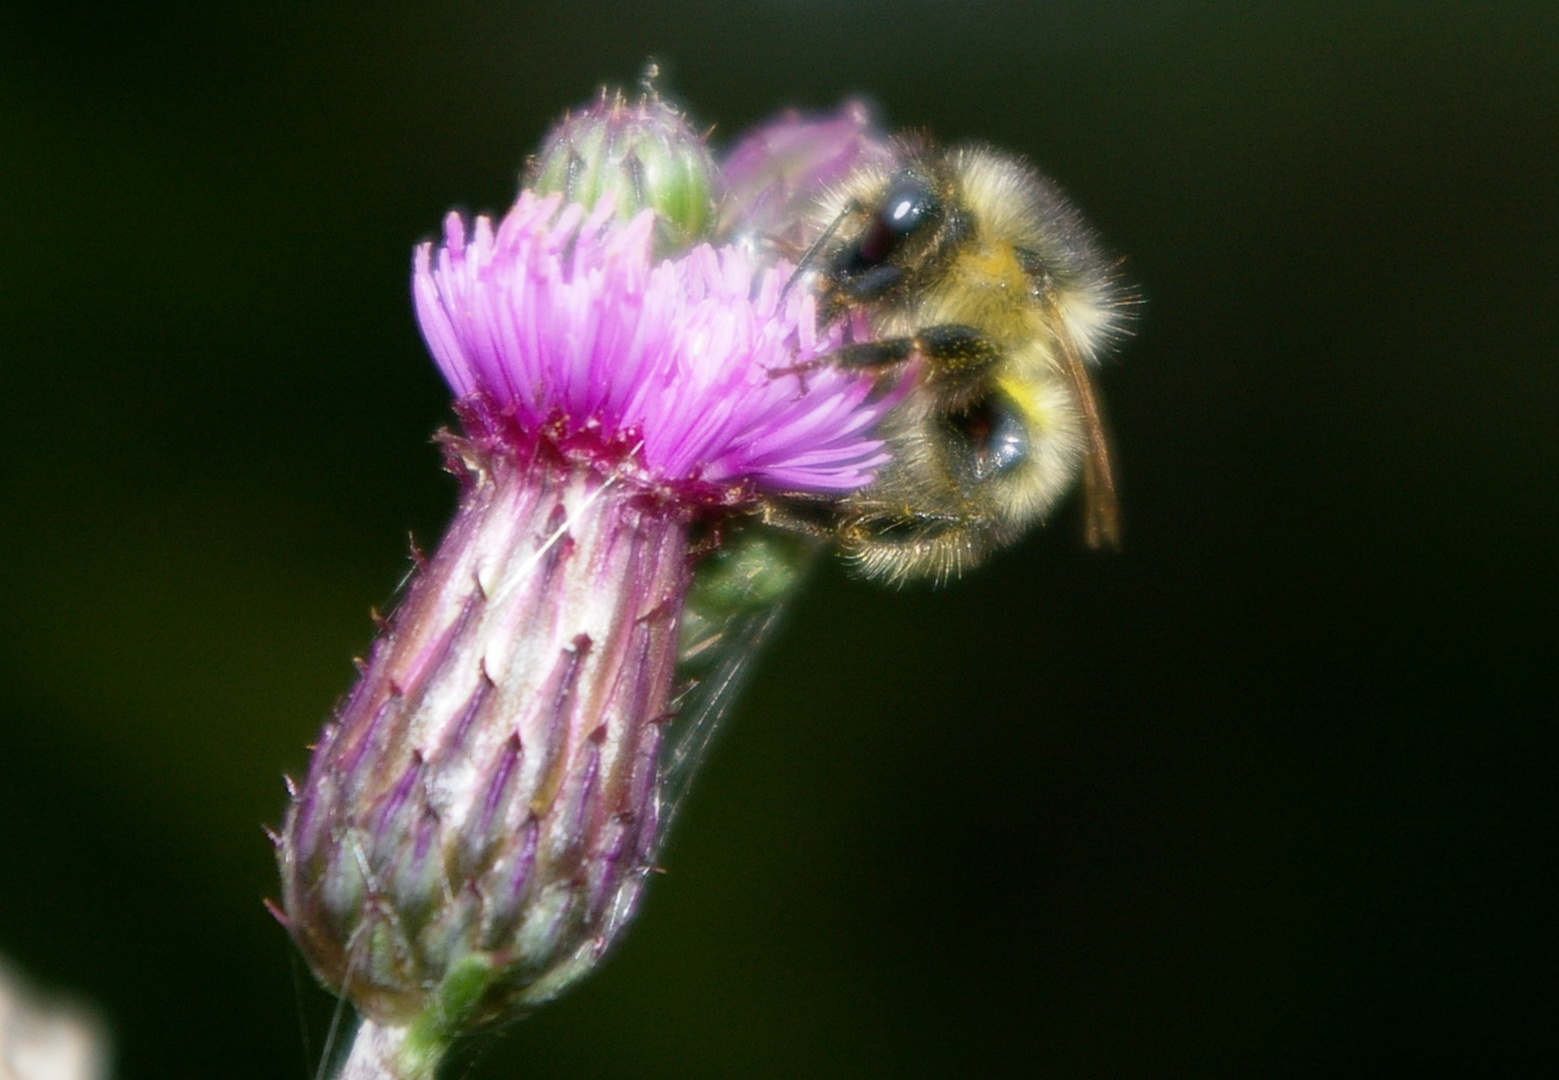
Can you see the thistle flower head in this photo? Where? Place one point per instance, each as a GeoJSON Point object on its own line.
{"type": "Point", "coordinates": [695, 371]}
{"type": "Point", "coordinates": [479, 817]}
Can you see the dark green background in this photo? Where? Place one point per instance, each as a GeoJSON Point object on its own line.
{"type": "Point", "coordinates": [1272, 793]}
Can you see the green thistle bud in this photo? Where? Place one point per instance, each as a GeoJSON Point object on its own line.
{"type": "Point", "coordinates": [639, 154]}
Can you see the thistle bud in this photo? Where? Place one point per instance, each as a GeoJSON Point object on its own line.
{"type": "Point", "coordinates": [638, 154]}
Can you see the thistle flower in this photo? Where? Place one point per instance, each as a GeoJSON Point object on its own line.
{"type": "Point", "coordinates": [479, 817]}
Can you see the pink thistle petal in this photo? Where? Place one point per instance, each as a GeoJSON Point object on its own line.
{"type": "Point", "coordinates": [560, 316]}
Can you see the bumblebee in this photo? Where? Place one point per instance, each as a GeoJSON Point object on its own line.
{"type": "Point", "coordinates": [973, 278]}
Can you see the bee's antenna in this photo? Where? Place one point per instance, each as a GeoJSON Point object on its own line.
{"type": "Point", "coordinates": [810, 254]}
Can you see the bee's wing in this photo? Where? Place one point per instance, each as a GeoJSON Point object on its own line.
{"type": "Point", "coordinates": [707, 701]}
{"type": "Point", "coordinates": [733, 609]}
{"type": "Point", "coordinates": [1101, 509]}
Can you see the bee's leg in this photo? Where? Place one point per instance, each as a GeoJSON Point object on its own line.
{"type": "Point", "coordinates": [807, 514]}
{"type": "Point", "coordinates": [956, 352]}
{"type": "Point", "coordinates": [879, 355]}
{"type": "Point", "coordinates": [957, 359]}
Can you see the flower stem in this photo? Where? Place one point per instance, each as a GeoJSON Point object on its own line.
{"type": "Point", "coordinates": [376, 1055]}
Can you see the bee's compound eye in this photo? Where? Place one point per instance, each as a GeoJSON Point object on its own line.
{"type": "Point", "coordinates": [908, 204]}
{"type": "Point", "coordinates": [988, 440]}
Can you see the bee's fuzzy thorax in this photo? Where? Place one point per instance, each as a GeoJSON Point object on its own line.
{"type": "Point", "coordinates": [1027, 211]}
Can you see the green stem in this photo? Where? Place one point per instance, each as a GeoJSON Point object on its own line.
{"type": "Point", "coordinates": [390, 1053]}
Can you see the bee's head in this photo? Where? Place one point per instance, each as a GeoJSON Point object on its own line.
{"type": "Point", "coordinates": [887, 238]}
